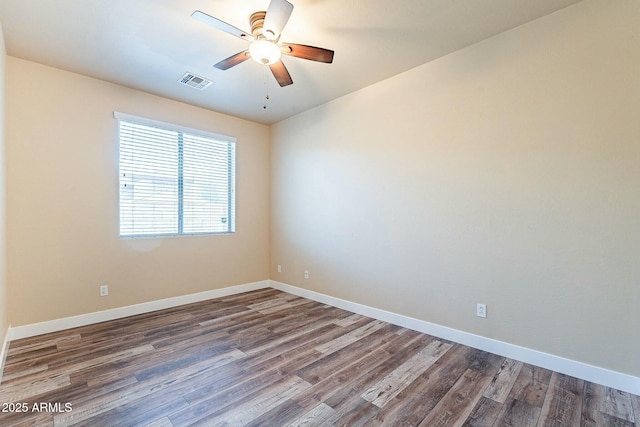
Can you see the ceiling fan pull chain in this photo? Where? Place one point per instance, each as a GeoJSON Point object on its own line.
{"type": "Point", "coordinates": [265, 83]}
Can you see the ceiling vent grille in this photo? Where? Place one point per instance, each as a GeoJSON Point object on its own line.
{"type": "Point", "coordinates": [196, 82]}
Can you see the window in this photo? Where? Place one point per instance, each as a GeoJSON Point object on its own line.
{"type": "Point", "coordinates": [174, 180]}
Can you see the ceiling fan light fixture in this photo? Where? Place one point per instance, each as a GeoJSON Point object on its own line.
{"type": "Point", "coordinates": [265, 52]}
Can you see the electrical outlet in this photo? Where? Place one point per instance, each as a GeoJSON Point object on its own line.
{"type": "Point", "coordinates": [481, 310]}
{"type": "Point", "coordinates": [306, 274]}
{"type": "Point", "coordinates": [279, 268]}
{"type": "Point", "coordinates": [104, 290]}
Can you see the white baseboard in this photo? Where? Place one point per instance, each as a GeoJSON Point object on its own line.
{"type": "Point", "coordinates": [563, 365]}
{"type": "Point", "coordinates": [130, 310]}
{"type": "Point", "coordinates": [3, 352]}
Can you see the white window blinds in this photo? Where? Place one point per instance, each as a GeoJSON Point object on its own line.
{"type": "Point", "coordinates": [174, 180]}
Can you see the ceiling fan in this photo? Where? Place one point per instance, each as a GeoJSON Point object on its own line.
{"type": "Point", "coordinates": [265, 46]}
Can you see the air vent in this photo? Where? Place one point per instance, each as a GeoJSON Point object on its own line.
{"type": "Point", "coordinates": [197, 82]}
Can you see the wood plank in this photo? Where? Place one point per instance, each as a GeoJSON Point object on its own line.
{"type": "Point", "coordinates": [278, 415]}
{"type": "Point", "coordinates": [353, 412]}
{"type": "Point", "coordinates": [20, 392]}
{"type": "Point", "coordinates": [597, 407]}
{"type": "Point", "coordinates": [531, 385]}
{"type": "Point", "coordinates": [162, 422]}
{"type": "Point", "coordinates": [302, 316]}
{"type": "Point", "coordinates": [233, 385]}
{"type": "Point", "coordinates": [101, 404]}
{"type": "Point", "coordinates": [77, 365]}
{"type": "Point", "coordinates": [34, 356]}
{"type": "Point", "coordinates": [503, 381]}
{"type": "Point", "coordinates": [350, 337]}
{"type": "Point", "coordinates": [594, 396]}
{"type": "Point", "coordinates": [212, 396]}
{"type": "Point", "coordinates": [266, 305]}
{"type": "Point", "coordinates": [33, 370]}
{"type": "Point", "coordinates": [80, 393]}
{"type": "Point", "coordinates": [354, 318]}
{"type": "Point", "coordinates": [300, 346]}
{"type": "Point", "coordinates": [371, 366]}
{"type": "Point", "coordinates": [417, 400]}
{"type": "Point", "coordinates": [303, 330]}
{"type": "Point", "coordinates": [326, 365]}
{"type": "Point", "coordinates": [396, 381]}
{"type": "Point", "coordinates": [43, 339]}
{"type": "Point", "coordinates": [137, 413]}
{"type": "Point", "coordinates": [27, 420]}
{"type": "Point", "coordinates": [518, 412]}
{"type": "Point", "coordinates": [315, 417]}
{"type": "Point", "coordinates": [57, 341]}
{"type": "Point", "coordinates": [245, 412]}
{"type": "Point", "coordinates": [484, 413]}
{"type": "Point", "coordinates": [484, 362]}
{"type": "Point", "coordinates": [618, 404]}
{"type": "Point", "coordinates": [288, 305]}
{"type": "Point", "coordinates": [561, 405]}
{"type": "Point", "coordinates": [457, 404]}
{"type": "Point", "coordinates": [635, 404]}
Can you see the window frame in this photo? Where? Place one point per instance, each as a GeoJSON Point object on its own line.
{"type": "Point", "coordinates": [231, 226]}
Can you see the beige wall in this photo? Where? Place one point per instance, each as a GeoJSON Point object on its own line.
{"type": "Point", "coordinates": [4, 324]}
{"type": "Point", "coordinates": [506, 173]}
{"type": "Point", "coordinates": [62, 201]}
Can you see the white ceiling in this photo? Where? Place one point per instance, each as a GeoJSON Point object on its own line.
{"type": "Point", "coordinates": [150, 44]}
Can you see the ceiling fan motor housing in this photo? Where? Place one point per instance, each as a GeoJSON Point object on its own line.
{"type": "Point", "coordinates": [257, 23]}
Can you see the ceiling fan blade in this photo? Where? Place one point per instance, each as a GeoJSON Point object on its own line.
{"type": "Point", "coordinates": [281, 73]}
{"type": "Point", "coordinates": [277, 16]}
{"type": "Point", "coordinates": [221, 25]}
{"type": "Point", "coordinates": [233, 60]}
{"type": "Point", "coordinates": [308, 52]}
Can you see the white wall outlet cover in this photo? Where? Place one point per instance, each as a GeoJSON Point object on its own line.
{"type": "Point", "coordinates": [481, 310]}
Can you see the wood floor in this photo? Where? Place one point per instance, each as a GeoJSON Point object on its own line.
{"type": "Point", "coordinates": [267, 358]}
